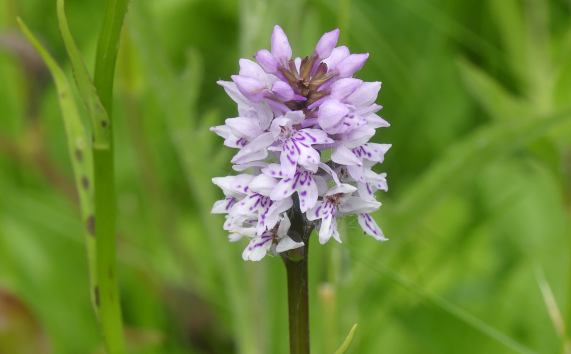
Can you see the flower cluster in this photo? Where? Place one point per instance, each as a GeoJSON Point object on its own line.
{"type": "Point", "coordinates": [302, 134]}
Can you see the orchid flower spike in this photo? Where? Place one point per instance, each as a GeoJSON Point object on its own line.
{"type": "Point", "coordinates": [302, 136]}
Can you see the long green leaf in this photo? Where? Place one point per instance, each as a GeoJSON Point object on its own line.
{"type": "Point", "coordinates": [107, 48]}
{"type": "Point", "coordinates": [99, 118]}
{"type": "Point", "coordinates": [78, 149]}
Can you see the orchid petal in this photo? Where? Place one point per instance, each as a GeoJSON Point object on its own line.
{"type": "Point", "coordinates": [283, 189]}
{"type": "Point", "coordinates": [307, 191]}
{"type": "Point", "coordinates": [365, 95]}
{"type": "Point", "coordinates": [281, 49]}
{"type": "Point", "coordinates": [327, 43]}
{"type": "Point", "coordinates": [263, 184]}
{"type": "Point", "coordinates": [287, 243]}
{"type": "Point", "coordinates": [343, 156]}
{"type": "Point", "coordinates": [370, 227]}
{"type": "Point", "coordinates": [351, 64]}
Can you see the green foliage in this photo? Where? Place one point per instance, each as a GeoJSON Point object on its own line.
{"type": "Point", "coordinates": [480, 175]}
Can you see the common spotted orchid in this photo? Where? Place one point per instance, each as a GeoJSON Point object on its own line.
{"type": "Point", "coordinates": [303, 135]}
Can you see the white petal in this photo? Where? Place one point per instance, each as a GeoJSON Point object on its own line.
{"type": "Point", "coordinates": [223, 206]}
{"type": "Point", "coordinates": [257, 249]}
{"type": "Point", "coordinates": [342, 188]}
{"type": "Point", "coordinates": [263, 184]}
{"type": "Point", "coordinates": [287, 244]}
{"type": "Point", "coordinates": [233, 237]}
{"type": "Point", "coordinates": [366, 191]}
{"type": "Point", "coordinates": [271, 216]}
{"type": "Point", "coordinates": [251, 69]}
{"type": "Point", "coordinates": [255, 150]}
{"type": "Point", "coordinates": [374, 121]}
{"type": "Point", "coordinates": [288, 158]}
{"type": "Point", "coordinates": [317, 212]}
{"type": "Point", "coordinates": [370, 227]}
{"type": "Point", "coordinates": [273, 170]}
{"type": "Point", "coordinates": [233, 185]}
{"type": "Point", "coordinates": [250, 205]}
{"type": "Point", "coordinates": [307, 191]}
{"type": "Point", "coordinates": [378, 180]}
{"type": "Point", "coordinates": [357, 205]}
{"type": "Point", "coordinates": [321, 184]}
{"type": "Point", "coordinates": [372, 151]}
{"type": "Point", "coordinates": [308, 158]}
{"type": "Point", "coordinates": [284, 226]}
{"type": "Point", "coordinates": [357, 173]}
{"type": "Point", "coordinates": [344, 156]}
{"type": "Point", "coordinates": [315, 136]}
{"type": "Point", "coordinates": [235, 94]}
{"type": "Point", "coordinates": [358, 136]}
{"type": "Point", "coordinates": [246, 127]}
{"type": "Point", "coordinates": [335, 231]}
{"type": "Point", "coordinates": [326, 229]}
{"type": "Point", "coordinates": [283, 189]}
{"type": "Point", "coordinates": [256, 165]}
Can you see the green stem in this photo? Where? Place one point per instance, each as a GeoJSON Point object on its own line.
{"type": "Point", "coordinates": [298, 304]}
{"type": "Point", "coordinates": [104, 173]}
{"type": "Point", "coordinates": [107, 293]}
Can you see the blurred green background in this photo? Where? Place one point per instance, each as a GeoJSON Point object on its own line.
{"type": "Point", "coordinates": [478, 94]}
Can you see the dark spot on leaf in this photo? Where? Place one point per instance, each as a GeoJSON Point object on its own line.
{"type": "Point", "coordinates": [104, 123]}
{"type": "Point", "coordinates": [78, 155]}
{"type": "Point", "coordinates": [85, 182]}
{"type": "Point", "coordinates": [90, 224]}
{"type": "Point", "coordinates": [96, 295]}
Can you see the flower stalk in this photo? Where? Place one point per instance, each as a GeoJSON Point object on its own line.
{"type": "Point", "coordinates": [296, 262]}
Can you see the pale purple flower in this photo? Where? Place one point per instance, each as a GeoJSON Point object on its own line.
{"type": "Point", "coordinates": [292, 113]}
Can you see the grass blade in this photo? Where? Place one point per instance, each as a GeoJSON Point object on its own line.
{"type": "Point", "coordinates": [348, 340]}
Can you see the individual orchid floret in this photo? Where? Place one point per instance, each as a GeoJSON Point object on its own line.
{"type": "Point", "coordinates": [275, 240]}
{"type": "Point", "coordinates": [339, 200]}
{"type": "Point", "coordinates": [304, 151]}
